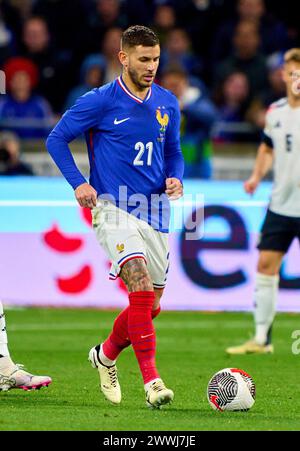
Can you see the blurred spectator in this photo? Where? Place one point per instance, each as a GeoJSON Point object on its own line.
{"type": "Point", "coordinates": [110, 50]}
{"type": "Point", "coordinates": [245, 58]}
{"type": "Point", "coordinates": [20, 110]}
{"type": "Point", "coordinates": [107, 14]}
{"type": "Point", "coordinates": [164, 20]}
{"type": "Point", "coordinates": [7, 41]}
{"type": "Point", "coordinates": [92, 74]}
{"type": "Point", "coordinates": [66, 19]}
{"type": "Point", "coordinates": [277, 87]}
{"type": "Point", "coordinates": [233, 98]}
{"type": "Point", "coordinates": [272, 32]}
{"type": "Point", "coordinates": [276, 91]}
{"type": "Point", "coordinates": [235, 104]}
{"type": "Point", "coordinates": [139, 11]}
{"type": "Point", "coordinates": [10, 162]}
{"type": "Point", "coordinates": [22, 7]}
{"type": "Point", "coordinates": [289, 13]}
{"type": "Point", "coordinates": [54, 75]}
{"type": "Point", "coordinates": [198, 115]}
{"type": "Point", "coordinates": [201, 18]}
{"type": "Point", "coordinates": [108, 59]}
{"type": "Point", "coordinates": [178, 51]}
{"type": "Point", "coordinates": [11, 20]}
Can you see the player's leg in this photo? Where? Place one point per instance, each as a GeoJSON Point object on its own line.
{"type": "Point", "coordinates": [12, 375]}
{"type": "Point", "coordinates": [118, 340]}
{"type": "Point", "coordinates": [5, 361]}
{"type": "Point", "coordinates": [156, 306]}
{"type": "Point", "coordinates": [106, 353]}
{"type": "Point", "coordinates": [118, 235]}
{"type": "Point", "coordinates": [158, 267]}
{"type": "Point", "coordinates": [141, 330]}
{"type": "Point", "coordinates": [4, 352]}
{"type": "Point", "coordinates": [265, 295]}
{"type": "Point", "coordinates": [277, 235]}
{"type": "Point", "coordinates": [265, 300]}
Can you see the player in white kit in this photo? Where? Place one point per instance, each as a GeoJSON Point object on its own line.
{"type": "Point", "coordinates": [280, 147]}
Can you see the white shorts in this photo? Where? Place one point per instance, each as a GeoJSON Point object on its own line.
{"type": "Point", "coordinates": [124, 237]}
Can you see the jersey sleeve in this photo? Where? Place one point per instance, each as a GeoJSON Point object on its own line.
{"type": "Point", "coordinates": [83, 116]}
{"type": "Point", "coordinates": [267, 132]}
{"type": "Point", "coordinates": [174, 162]}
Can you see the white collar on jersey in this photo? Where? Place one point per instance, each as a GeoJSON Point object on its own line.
{"type": "Point", "coordinates": [125, 89]}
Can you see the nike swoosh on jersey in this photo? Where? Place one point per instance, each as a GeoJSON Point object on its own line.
{"type": "Point", "coordinates": [146, 336]}
{"type": "Point", "coordinates": [116, 122]}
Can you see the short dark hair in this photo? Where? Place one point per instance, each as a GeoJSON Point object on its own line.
{"type": "Point", "coordinates": [139, 35]}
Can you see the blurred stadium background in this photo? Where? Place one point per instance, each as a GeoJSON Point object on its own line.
{"type": "Point", "coordinates": [222, 59]}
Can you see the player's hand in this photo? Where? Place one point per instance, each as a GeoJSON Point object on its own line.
{"type": "Point", "coordinates": [86, 196]}
{"type": "Point", "coordinates": [174, 188]}
{"type": "Point", "coordinates": [251, 184]}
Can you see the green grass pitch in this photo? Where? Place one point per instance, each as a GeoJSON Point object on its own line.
{"type": "Point", "coordinates": [190, 350]}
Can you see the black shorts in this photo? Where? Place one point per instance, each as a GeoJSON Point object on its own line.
{"type": "Point", "coordinates": [278, 232]}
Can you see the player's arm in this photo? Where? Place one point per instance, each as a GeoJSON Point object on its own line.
{"type": "Point", "coordinates": [174, 163]}
{"type": "Point", "coordinates": [264, 159]}
{"type": "Point", "coordinates": [78, 119]}
{"type": "Point", "coordinates": [263, 164]}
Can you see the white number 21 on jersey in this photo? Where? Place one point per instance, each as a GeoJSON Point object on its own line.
{"type": "Point", "coordinates": [140, 147]}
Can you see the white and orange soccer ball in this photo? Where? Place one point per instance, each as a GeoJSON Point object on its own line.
{"type": "Point", "coordinates": [231, 389]}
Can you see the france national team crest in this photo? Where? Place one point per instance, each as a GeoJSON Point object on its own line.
{"type": "Point", "coordinates": [120, 248]}
{"type": "Point", "coordinates": [163, 120]}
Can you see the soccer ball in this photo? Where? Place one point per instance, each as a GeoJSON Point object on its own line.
{"type": "Point", "coordinates": [231, 389]}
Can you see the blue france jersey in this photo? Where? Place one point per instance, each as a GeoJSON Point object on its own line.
{"type": "Point", "coordinates": [133, 146]}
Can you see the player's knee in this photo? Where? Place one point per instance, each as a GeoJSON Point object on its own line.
{"type": "Point", "coordinates": [158, 295]}
{"type": "Point", "coordinates": [136, 276]}
{"type": "Point", "coordinates": [156, 305]}
{"type": "Point", "coordinates": [267, 266]}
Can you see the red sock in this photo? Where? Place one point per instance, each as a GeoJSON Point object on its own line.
{"type": "Point", "coordinates": [118, 339]}
{"type": "Point", "coordinates": [141, 332]}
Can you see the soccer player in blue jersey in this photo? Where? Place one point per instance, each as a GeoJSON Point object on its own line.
{"type": "Point", "coordinates": [132, 132]}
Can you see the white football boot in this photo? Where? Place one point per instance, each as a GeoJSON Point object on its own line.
{"type": "Point", "coordinates": [14, 376]}
{"type": "Point", "coordinates": [109, 383]}
{"type": "Point", "coordinates": [158, 395]}
{"type": "Point", "coordinates": [251, 347]}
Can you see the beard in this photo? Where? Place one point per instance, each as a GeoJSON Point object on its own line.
{"type": "Point", "coordinates": [135, 79]}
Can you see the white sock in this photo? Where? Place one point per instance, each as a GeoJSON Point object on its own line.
{"type": "Point", "coordinates": [105, 360]}
{"type": "Point", "coordinates": [6, 365]}
{"type": "Point", "coordinates": [146, 386]}
{"type": "Point", "coordinates": [265, 298]}
{"type": "Point", "coordinates": [3, 335]}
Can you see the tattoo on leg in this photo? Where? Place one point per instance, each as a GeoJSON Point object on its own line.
{"type": "Point", "coordinates": [136, 276]}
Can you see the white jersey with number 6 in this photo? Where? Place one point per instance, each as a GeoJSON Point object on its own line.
{"type": "Point", "coordinates": [282, 133]}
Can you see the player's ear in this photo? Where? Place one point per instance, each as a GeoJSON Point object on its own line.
{"type": "Point", "coordinates": [123, 57]}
